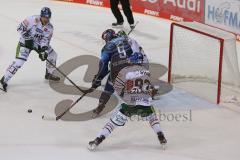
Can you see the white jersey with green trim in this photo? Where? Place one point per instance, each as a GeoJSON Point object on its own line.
{"type": "Point", "coordinates": [132, 85]}
{"type": "Point", "coordinates": [32, 28]}
{"type": "Point", "coordinates": [137, 48]}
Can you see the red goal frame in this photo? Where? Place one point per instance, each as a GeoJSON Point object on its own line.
{"type": "Point", "coordinates": [221, 40]}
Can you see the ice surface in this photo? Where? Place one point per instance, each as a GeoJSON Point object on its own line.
{"type": "Point", "coordinates": [212, 134]}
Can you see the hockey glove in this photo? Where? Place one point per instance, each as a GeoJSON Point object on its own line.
{"type": "Point", "coordinates": [43, 56]}
{"type": "Point", "coordinates": [40, 49]}
{"type": "Point", "coordinates": [152, 91]}
{"type": "Point", "coordinates": [43, 49]}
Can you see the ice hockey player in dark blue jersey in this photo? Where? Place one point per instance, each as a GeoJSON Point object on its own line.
{"type": "Point", "coordinates": [119, 51]}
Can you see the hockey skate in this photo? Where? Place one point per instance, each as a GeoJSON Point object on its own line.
{"type": "Point", "coordinates": [162, 140]}
{"type": "Point", "coordinates": [94, 144]}
{"type": "Point", "coordinates": [132, 26]}
{"type": "Point", "coordinates": [51, 77]}
{"type": "Point", "coordinates": [4, 85]}
{"type": "Point", "coordinates": [117, 24]}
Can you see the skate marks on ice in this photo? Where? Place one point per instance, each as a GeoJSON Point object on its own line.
{"type": "Point", "coordinates": [133, 142]}
{"type": "Point", "coordinates": [87, 37]}
{"type": "Point", "coordinates": [157, 71]}
{"type": "Point", "coordinates": [139, 33]}
{"type": "Point", "coordinates": [179, 100]}
{"type": "Point", "coordinates": [145, 35]}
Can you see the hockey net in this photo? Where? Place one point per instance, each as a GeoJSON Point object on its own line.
{"type": "Point", "coordinates": [203, 60]}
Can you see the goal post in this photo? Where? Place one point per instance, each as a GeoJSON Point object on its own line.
{"type": "Point", "coordinates": [202, 54]}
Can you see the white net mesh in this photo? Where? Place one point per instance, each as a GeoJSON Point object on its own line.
{"type": "Point", "coordinates": [195, 60]}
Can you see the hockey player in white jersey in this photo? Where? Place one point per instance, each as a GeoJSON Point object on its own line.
{"type": "Point", "coordinates": [35, 34]}
{"type": "Point", "coordinates": [133, 85]}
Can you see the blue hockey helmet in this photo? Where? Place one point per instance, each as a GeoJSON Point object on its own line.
{"type": "Point", "coordinates": [46, 12]}
{"type": "Point", "coordinates": [108, 35]}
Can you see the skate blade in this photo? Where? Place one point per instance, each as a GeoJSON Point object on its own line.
{"type": "Point", "coordinates": [3, 90]}
{"type": "Point", "coordinates": [163, 146]}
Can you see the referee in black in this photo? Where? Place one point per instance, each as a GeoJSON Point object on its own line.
{"type": "Point", "coordinates": [126, 9]}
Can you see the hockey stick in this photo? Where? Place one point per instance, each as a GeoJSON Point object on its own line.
{"type": "Point", "coordinates": [87, 90]}
{"type": "Point", "coordinates": [83, 91]}
{"type": "Point", "coordinates": [72, 105]}
{"type": "Point", "coordinates": [133, 28]}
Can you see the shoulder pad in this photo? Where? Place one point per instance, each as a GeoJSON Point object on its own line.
{"type": "Point", "coordinates": [50, 26]}
{"type": "Point", "coordinates": [109, 46]}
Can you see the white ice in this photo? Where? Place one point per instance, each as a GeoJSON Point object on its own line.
{"type": "Point", "coordinates": [213, 133]}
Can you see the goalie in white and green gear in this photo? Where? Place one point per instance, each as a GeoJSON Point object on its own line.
{"type": "Point", "coordinates": [134, 87]}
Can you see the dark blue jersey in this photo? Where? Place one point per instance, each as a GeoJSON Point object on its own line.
{"type": "Point", "coordinates": [116, 53]}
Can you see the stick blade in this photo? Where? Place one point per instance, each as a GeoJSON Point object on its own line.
{"type": "Point", "coordinates": [61, 108]}
{"type": "Point", "coordinates": [48, 118]}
